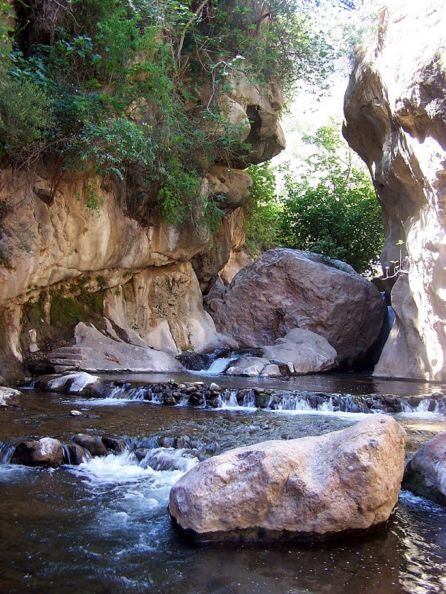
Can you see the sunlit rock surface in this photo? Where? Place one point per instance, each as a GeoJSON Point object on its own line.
{"type": "Point", "coordinates": [310, 487]}
{"type": "Point", "coordinates": [395, 109]}
{"type": "Point", "coordinates": [287, 289]}
{"type": "Point", "coordinates": [112, 263]}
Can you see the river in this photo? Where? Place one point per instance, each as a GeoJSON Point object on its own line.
{"type": "Point", "coordinates": [103, 526]}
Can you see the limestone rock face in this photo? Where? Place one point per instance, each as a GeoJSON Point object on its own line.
{"type": "Point", "coordinates": [303, 351]}
{"type": "Point", "coordinates": [115, 264]}
{"type": "Point", "coordinates": [287, 289]}
{"type": "Point", "coordinates": [309, 487]}
{"type": "Point", "coordinates": [395, 110]}
{"type": "Point", "coordinates": [425, 473]}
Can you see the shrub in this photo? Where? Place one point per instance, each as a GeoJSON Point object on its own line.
{"type": "Point", "coordinates": [263, 210]}
{"type": "Point", "coordinates": [116, 85]}
{"type": "Point", "coordinates": [337, 213]}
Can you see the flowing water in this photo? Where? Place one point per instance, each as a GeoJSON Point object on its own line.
{"type": "Point", "coordinates": [103, 526]}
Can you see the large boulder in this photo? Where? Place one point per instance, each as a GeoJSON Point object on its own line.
{"type": "Point", "coordinates": [286, 289]}
{"type": "Point", "coordinates": [425, 472]}
{"type": "Point", "coordinates": [46, 452]}
{"type": "Point", "coordinates": [395, 111]}
{"type": "Point", "coordinates": [313, 487]}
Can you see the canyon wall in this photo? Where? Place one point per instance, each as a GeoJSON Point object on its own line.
{"type": "Point", "coordinates": [395, 110]}
{"type": "Point", "coordinates": [72, 250]}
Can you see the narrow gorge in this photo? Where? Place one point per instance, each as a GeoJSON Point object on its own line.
{"type": "Point", "coordinates": [199, 342]}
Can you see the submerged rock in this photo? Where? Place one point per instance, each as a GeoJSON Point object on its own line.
{"type": "Point", "coordinates": [314, 487]}
{"type": "Point", "coordinates": [425, 473]}
{"type": "Point", "coordinates": [286, 289]}
{"type": "Point", "coordinates": [47, 452]}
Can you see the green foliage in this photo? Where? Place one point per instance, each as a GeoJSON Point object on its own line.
{"type": "Point", "coordinates": [115, 87]}
{"type": "Point", "coordinates": [25, 116]}
{"type": "Point", "coordinates": [263, 210]}
{"type": "Point", "coordinates": [338, 215]}
{"type": "Point", "coordinates": [6, 14]}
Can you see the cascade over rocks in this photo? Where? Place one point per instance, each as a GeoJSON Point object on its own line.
{"type": "Point", "coordinates": [287, 289]}
{"type": "Point", "coordinates": [395, 111]}
{"type": "Point", "coordinates": [314, 487]}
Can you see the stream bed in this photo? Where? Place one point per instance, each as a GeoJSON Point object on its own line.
{"type": "Point", "coordinates": [103, 526]}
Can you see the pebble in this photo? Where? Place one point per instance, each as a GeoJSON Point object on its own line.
{"type": "Point", "coordinates": [75, 413]}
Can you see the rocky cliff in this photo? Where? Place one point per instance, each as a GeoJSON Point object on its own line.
{"type": "Point", "coordinates": [395, 110]}
{"type": "Point", "coordinates": [137, 279]}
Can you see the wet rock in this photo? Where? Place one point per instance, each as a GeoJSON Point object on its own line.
{"type": "Point", "coordinates": [140, 453]}
{"type": "Point", "coordinates": [262, 400]}
{"type": "Point", "coordinates": [114, 444]}
{"type": "Point", "coordinates": [197, 399]}
{"type": "Point", "coordinates": [425, 473]}
{"type": "Point", "coordinates": [166, 442]}
{"type": "Point", "coordinates": [75, 454]}
{"type": "Point", "coordinates": [75, 413]}
{"type": "Point", "coordinates": [72, 383]}
{"type": "Point", "coordinates": [194, 361]}
{"type": "Point", "coordinates": [214, 387]}
{"type": "Point", "coordinates": [169, 399]}
{"type": "Point", "coordinates": [313, 487]}
{"type": "Point", "coordinates": [46, 452]}
{"type": "Point", "coordinates": [184, 442]}
{"type": "Point", "coordinates": [92, 443]}
{"type": "Point", "coordinates": [7, 393]}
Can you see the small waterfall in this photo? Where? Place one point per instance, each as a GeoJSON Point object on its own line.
{"type": "Point", "coordinates": [6, 452]}
{"type": "Point", "coordinates": [220, 365]}
{"type": "Point", "coordinates": [425, 406]}
{"type": "Point", "coordinates": [229, 399]}
{"type": "Point", "coordinates": [184, 400]}
{"type": "Point", "coordinates": [202, 394]}
{"type": "Point", "coordinates": [168, 459]}
{"type": "Point", "coordinates": [249, 399]}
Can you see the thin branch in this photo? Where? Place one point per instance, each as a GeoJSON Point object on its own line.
{"type": "Point", "coordinates": [187, 26]}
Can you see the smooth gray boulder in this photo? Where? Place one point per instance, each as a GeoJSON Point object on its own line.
{"type": "Point", "coordinates": [303, 352]}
